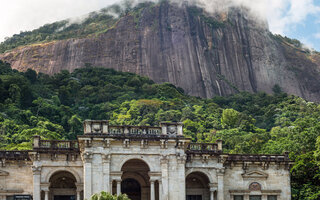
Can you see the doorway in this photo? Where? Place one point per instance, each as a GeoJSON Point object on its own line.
{"type": "Point", "coordinates": [132, 188]}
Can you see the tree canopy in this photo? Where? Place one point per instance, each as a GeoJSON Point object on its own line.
{"type": "Point", "coordinates": [54, 107]}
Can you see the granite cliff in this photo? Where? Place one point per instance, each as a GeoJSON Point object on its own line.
{"type": "Point", "coordinates": [205, 55]}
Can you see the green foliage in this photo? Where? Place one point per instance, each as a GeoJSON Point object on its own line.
{"type": "Point", "coordinates": [55, 106]}
{"type": "Point", "coordinates": [198, 12]}
{"type": "Point", "coordinates": [93, 25]}
{"type": "Point", "coordinates": [108, 196]}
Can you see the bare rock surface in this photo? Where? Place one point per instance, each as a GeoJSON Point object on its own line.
{"type": "Point", "coordinates": [206, 56]}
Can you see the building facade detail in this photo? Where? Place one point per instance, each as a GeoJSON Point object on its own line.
{"type": "Point", "coordinates": [147, 163]}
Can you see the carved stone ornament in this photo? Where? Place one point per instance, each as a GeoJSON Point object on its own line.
{"type": "Point", "coordinates": [255, 186]}
{"type": "Point", "coordinates": [36, 170]}
{"type": "Point", "coordinates": [255, 175]}
{"type": "Point", "coordinates": [172, 130]}
{"type": "Point", "coordinates": [164, 159]}
{"type": "Point", "coordinates": [87, 157]}
{"type": "Point", "coordinates": [4, 173]}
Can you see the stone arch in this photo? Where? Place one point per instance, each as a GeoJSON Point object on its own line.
{"type": "Point", "coordinates": [197, 185]}
{"type": "Point", "coordinates": [203, 171]}
{"type": "Point", "coordinates": [135, 158]}
{"type": "Point", "coordinates": [138, 178]}
{"type": "Point", "coordinates": [62, 169]}
{"type": "Point", "coordinates": [135, 170]}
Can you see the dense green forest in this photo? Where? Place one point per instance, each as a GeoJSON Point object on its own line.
{"type": "Point", "coordinates": [55, 106]}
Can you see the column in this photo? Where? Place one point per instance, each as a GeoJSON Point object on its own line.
{"type": "Point", "coordinates": [36, 182]}
{"type": "Point", "coordinates": [213, 188]}
{"type": "Point", "coordinates": [46, 195]}
{"type": "Point", "coordinates": [106, 173]}
{"type": "Point", "coordinates": [78, 195]}
{"type": "Point", "coordinates": [79, 189]}
{"type": "Point", "coordinates": [220, 174]}
{"type": "Point", "coordinates": [152, 191]}
{"type": "Point", "coordinates": [164, 177]}
{"type": "Point", "coordinates": [87, 168]}
{"type": "Point", "coordinates": [160, 190]}
{"type": "Point", "coordinates": [118, 187]}
{"type": "Point", "coordinates": [211, 195]}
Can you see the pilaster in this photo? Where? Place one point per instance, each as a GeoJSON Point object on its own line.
{"type": "Point", "coordinates": [87, 168]}
{"type": "Point", "coordinates": [106, 173]}
{"type": "Point", "coordinates": [36, 170]}
{"type": "Point", "coordinates": [220, 174]}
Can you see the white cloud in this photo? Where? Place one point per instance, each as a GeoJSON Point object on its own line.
{"type": "Point", "coordinates": [20, 15]}
{"type": "Point", "coordinates": [317, 35]}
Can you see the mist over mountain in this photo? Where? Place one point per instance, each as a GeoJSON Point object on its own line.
{"type": "Point", "coordinates": [206, 49]}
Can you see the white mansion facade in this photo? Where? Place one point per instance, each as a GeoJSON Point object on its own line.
{"type": "Point", "coordinates": [147, 163]}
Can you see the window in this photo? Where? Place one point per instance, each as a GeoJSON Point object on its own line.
{"type": "Point", "coordinates": [272, 197]}
{"type": "Point", "coordinates": [9, 197]}
{"type": "Point", "coordinates": [255, 197]}
{"type": "Point", "coordinates": [194, 197]}
{"type": "Point", "coordinates": [238, 197]}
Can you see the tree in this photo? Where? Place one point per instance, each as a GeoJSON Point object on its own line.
{"type": "Point", "coordinates": [230, 118]}
{"type": "Point", "coordinates": [108, 196]}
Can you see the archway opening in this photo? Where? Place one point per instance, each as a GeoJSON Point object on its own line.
{"type": "Point", "coordinates": [132, 188]}
{"type": "Point", "coordinates": [62, 186]}
{"type": "Point", "coordinates": [135, 180]}
{"type": "Point", "coordinates": [197, 186]}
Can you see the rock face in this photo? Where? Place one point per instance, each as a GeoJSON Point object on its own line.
{"type": "Point", "coordinates": [206, 56]}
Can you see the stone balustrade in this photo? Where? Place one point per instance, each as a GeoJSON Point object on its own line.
{"type": "Point", "coordinates": [47, 145]}
{"type": "Point", "coordinates": [204, 148]}
{"type": "Point", "coordinates": [257, 158]}
{"type": "Point", "coordinates": [14, 155]}
{"type": "Point", "coordinates": [102, 127]}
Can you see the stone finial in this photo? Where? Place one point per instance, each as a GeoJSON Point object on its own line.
{"type": "Point", "coordinates": [95, 127]}
{"type": "Point", "coordinates": [36, 141]}
{"type": "Point", "coordinates": [219, 142]}
{"type": "Point", "coordinates": [172, 128]}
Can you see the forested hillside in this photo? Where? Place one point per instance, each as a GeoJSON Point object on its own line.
{"type": "Point", "coordinates": [55, 106]}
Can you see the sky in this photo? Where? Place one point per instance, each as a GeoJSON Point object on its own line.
{"type": "Point", "coordinates": [299, 19]}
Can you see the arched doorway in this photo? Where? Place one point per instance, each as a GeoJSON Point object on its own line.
{"type": "Point", "coordinates": [135, 180]}
{"type": "Point", "coordinates": [132, 188]}
{"type": "Point", "coordinates": [197, 186]}
{"type": "Point", "coordinates": [62, 186]}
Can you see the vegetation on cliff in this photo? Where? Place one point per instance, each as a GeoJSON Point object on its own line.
{"type": "Point", "coordinates": [91, 25]}
{"type": "Point", "coordinates": [55, 106]}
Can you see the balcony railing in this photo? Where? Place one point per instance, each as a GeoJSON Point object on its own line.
{"type": "Point", "coordinates": [55, 145]}
{"type": "Point", "coordinates": [258, 158]}
{"type": "Point", "coordinates": [14, 155]}
{"type": "Point", "coordinates": [134, 130]}
{"type": "Point", "coordinates": [102, 128]}
{"type": "Point", "coordinates": [203, 148]}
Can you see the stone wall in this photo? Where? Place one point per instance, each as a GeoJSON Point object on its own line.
{"type": "Point", "coordinates": [16, 178]}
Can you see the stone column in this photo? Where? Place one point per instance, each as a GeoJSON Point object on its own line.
{"type": "Point", "coordinates": [106, 173]}
{"type": "Point", "coordinates": [220, 174]}
{"type": "Point", "coordinates": [213, 188]}
{"type": "Point", "coordinates": [152, 191]}
{"type": "Point", "coordinates": [87, 168]}
{"type": "Point", "coordinates": [181, 170]}
{"type": "Point", "coordinates": [164, 178]}
{"type": "Point", "coordinates": [118, 186]}
{"type": "Point", "coordinates": [79, 189]}
{"type": "Point", "coordinates": [36, 182]}
{"type": "Point", "coordinates": [160, 190]}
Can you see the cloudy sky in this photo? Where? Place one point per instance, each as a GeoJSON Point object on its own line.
{"type": "Point", "coordinates": [294, 18]}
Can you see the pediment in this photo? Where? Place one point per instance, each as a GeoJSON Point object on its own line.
{"type": "Point", "coordinates": [4, 173]}
{"type": "Point", "coordinates": [255, 174]}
